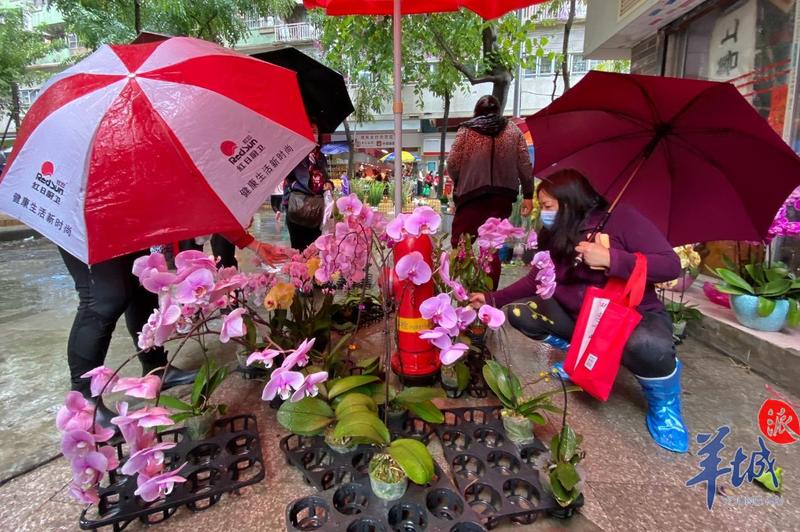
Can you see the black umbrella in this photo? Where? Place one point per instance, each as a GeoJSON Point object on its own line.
{"type": "Point", "coordinates": [324, 90]}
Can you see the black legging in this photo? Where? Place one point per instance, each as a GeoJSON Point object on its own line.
{"type": "Point", "coordinates": [649, 352]}
{"type": "Point", "coordinates": [300, 236]}
{"type": "Point", "coordinates": [105, 292]}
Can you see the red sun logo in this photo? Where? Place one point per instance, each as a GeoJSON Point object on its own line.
{"type": "Point", "coordinates": [228, 148]}
{"type": "Point", "coordinates": [48, 168]}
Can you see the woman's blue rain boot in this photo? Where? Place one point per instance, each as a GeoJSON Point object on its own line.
{"type": "Point", "coordinates": [664, 419]}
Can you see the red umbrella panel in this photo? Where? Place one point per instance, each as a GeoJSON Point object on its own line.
{"type": "Point", "coordinates": [707, 165]}
{"type": "Point", "coordinates": [144, 144]}
{"type": "Point", "coordinates": [487, 9]}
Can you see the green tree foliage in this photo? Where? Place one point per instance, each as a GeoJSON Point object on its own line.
{"type": "Point", "coordinates": [98, 22]}
{"type": "Point", "coordinates": [18, 49]}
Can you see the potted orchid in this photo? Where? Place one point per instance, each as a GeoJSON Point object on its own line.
{"type": "Point", "coordinates": [199, 414]}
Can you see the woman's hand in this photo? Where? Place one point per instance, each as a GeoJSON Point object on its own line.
{"type": "Point", "coordinates": [477, 300]}
{"type": "Point", "coordinates": [526, 208]}
{"type": "Point", "coordinates": [595, 254]}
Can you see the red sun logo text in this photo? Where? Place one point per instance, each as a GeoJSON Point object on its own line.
{"type": "Point", "coordinates": [47, 168]}
{"type": "Point", "coordinates": [778, 422]}
{"type": "Point", "coordinates": [228, 148]}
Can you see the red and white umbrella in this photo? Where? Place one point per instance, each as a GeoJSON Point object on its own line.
{"type": "Point", "coordinates": [144, 144]}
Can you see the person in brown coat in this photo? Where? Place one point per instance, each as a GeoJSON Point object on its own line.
{"type": "Point", "coordinates": [488, 163]}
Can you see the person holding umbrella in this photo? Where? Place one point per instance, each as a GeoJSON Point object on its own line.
{"type": "Point", "coordinates": [488, 163]}
{"type": "Point", "coordinates": [571, 208]}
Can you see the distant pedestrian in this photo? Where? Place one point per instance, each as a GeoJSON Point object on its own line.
{"type": "Point", "coordinates": [488, 163]}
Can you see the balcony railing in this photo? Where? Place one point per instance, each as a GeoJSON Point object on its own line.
{"type": "Point", "coordinates": [300, 31]}
{"type": "Point", "coordinates": [548, 12]}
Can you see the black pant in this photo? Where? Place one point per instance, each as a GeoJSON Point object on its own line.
{"type": "Point", "coordinates": [105, 292]}
{"type": "Point", "coordinates": [300, 236]}
{"type": "Point", "coordinates": [220, 247]}
{"type": "Point", "coordinates": [649, 352]}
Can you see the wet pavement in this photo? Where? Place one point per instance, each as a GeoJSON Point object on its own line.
{"type": "Point", "coordinates": [630, 483]}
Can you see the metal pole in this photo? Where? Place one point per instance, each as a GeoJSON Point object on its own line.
{"type": "Point", "coordinates": [398, 108]}
{"type": "Point", "coordinates": [517, 112]}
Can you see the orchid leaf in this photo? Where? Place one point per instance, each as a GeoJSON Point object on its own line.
{"type": "Point", "coordinates": [173, 403]}
{"type": "Point", "coordinates": [418, 394]}
{"type": "Point", "coordinates": [414, 458]}
{"type": "Point", "coordinates": [462, 375]}
{"type": "Point", "coordinates": [776, 288]}
{"type": "Point", "coordinates": [307, 417]}
{"type": "Point", "coordinates": [765, 306]}
{"type": "Point", "coordinates": [426, 411]}
{"type": "Point", "coordinates": [567, 475]}
{"type": "Point", "coordinates": [497, 378]}
{"type": "Point", "coordinates": [345, 384]}
{"type": "Point", "coordinates": [734, 280]}
{"type": "Point", "coordinates": [363, 426]}
{"type": "Point", "coordinates": [793, 319]}
{"type": "Point", "coordinates": [537, 418]}
{"type": "Point", "coordinates": [776, 273]}
{"type": "Point", "coordinates": [199, 384]}
{"type": "Point", "coordinates": [355, 402]}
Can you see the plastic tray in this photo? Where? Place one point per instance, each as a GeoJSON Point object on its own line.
{"type": "Point", "coordinates": [497, 479]}
{"type": "Point", "coordinates": [353, 507]}
{"type": "Point", "coordinates": [324, 468]}
{"type": "Point", "coordinates": [226, 462]}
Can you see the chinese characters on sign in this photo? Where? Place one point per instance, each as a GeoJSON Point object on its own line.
{"type": "Point", "coordinates": [374, 140]}
{"type": "Point", "coordinates": [732, 44]}
{"type": "Point", "coordinates": [26, 203]}
{"type": "Point", "coordinates": [778, 422]}
{"type": "Point", "coordinates": [760, 462]}
{"type": "Point", "coordinates": [269, 166]}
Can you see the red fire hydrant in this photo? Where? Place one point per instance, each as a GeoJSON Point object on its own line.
{"type": "Point", "coordinates": [416, 361]}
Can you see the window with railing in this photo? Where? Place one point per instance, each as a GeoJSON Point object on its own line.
{"type": "Point", "coordinates": [255, 22]}
{"type": "Point", "coordinates": [558, 12]}
{"type": "Point", "coordinates": [579, 64]}
{"type": "Point", "coordinates": [27, 97]}
{"type": "Point", "coordinates": [72, 41]}
{"type": "Point", "coordinates": [299, 31]}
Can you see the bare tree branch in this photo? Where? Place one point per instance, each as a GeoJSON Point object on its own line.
{"type": "Point", "coordinates": [458, 65]}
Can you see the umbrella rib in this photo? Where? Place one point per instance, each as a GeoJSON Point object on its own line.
{"type": "Point", "coordinates": [682, 131]}
{"type": "Point", "coordinates": [616, 114]}
{"type": "Point", "coordinates": [702, 157]}
{"type": "Point", "coordinates": [650, 103]}
{"type": "Point", "coordinates": [624, 136]}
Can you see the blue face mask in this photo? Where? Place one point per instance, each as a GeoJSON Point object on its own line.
{"type": "Point", "coordinates": [548, 218]}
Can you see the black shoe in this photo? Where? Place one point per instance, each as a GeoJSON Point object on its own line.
{"type": "Point", "coordinates": [176, 377]}
{"type": "Point", "coordinates": [104, 416]}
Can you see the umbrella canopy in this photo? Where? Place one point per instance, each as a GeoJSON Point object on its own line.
{"type": "Point", "coordinates": [695, 156]}
{"type": "Point", "coordinates": [526, 134]}
{"type": "Point", "coordinates": [406, 157]}
{"type": "Point", "coordinates": [143, 144]}
{"type": "Point", "coordinates": [487, 9]}
{"type": "Point", "coordinates": [324, 90]}
{"type": "Point", "coordinates": [335, 148]}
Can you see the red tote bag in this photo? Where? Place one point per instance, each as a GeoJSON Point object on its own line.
{"type": "Point", "coordinates": [607, 319]}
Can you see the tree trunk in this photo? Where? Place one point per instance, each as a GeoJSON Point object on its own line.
{"type": "Point", "coordinates": [15, 105]}
{"type": "Point", "coordinates": [351, 161]}
{"type": "Point", "coordinates": [565, 59]}
{"type": "Point", "coordinates": [137, 16]}
{"type": "Point", "coordinates": [503, 77]}
{"type": "Point", "coordinates": [445, 120]}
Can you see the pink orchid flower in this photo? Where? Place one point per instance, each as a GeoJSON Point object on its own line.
{"type": "Point", "coordinates": [137, 437]}
{"type": "Point", "coordinates": [533, 240]}
{"type": "Point", "coordinates": [143, 387]}
{"type": "Point", "coordinates": [233, 326]}
{"type": "Point", "coordinates": [309, 387]}
{"type": "Point", "coordinates": [439, 309]}
{"type": "Point", "coordinates": [157, 282]}
{"type": "Point", "coordinates": [266, 357]}
{"type": "Point", "coordinates": [85, 496]}
{"type": "Point", "coordinates": [77, 413]}
{"type": "Point", "coordinates": [153, 261]}
{"type": "Point", "coordinates": [414, 268]}
{"type": "Point", "coordinates": [394, 229]}
{"type": "Point", "coordinates": [282, 383]}
{"type": "Point", "coordinates": [439, 337]}
{"type": "Point", "coordinates": [491, 317]}
{"type": "Point", "coordinates": [151, 488]}
{"type": "Point", "coordinates": [465, 315]}
{"type": "Point", "coordinates": [195, 288]}
{"type": "Point", "coordinates": [542, 260]}
{"type": "Point", "coordinates": [452, 353]}
{"type": "Point", "coordinates": [100, 377]}
{"type": "Point", "coordinates": [546, 290]}
{"type": "Point", "coordinates": [138, 462]}
{"type": "Point", "coordinates": [193, 259]}
{"type": "Point", "coordinates": [349, 205]}
{"type": "Point", "coordinates": [423, 220]}
{"type": "Point", "coordinates": [299, 356]}
{"type": "Point", "coordinates": [75, 443]}
{"type": "Point", "coordinates": [150, 416]}
{"type": "Point", "coordinates": [88, 470]}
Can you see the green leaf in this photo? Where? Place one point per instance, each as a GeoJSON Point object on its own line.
{"type": "Point", "coordinates": [776, 273]}
{"type": "Point", "coordinates": [766, 480]}
{"type": "Point", "coordinates": [569, 444]}
{"type": "Point", "coordinates": [756, 272]}
{"type": "Point", "coordinates": [567, 475]}
{"type": "Point", "coordinates": [173, 403]}
{"type": "Point", "coordinates": [561, 494]}
{"type": "Point", "coordinates": [426, 411]}
{"type": "Point", "coordinates": [199, 384]}
{"type": "Point", "coordinates": [497, 380]}
{"type": "Point", "coordinates": [462, 375]}
{"type": "Point", "coordinates": [419, 395]}
{"type": "Point", "coordinates": [725, 289]}
{"type": "Point", "coordinates": [793, 319]}
{"type": "Point", "coordinates": [183, 416]}
{"type": "Point", "coordinates": [251, 336]}
{"type": "Point", "coordinates": [414, 458]}
{"type": "Point", "coordinates": [367, 362]}
{"type": "Point", "coordinates": [364, 426]}
{"type": "Point", "coordinates": [340, 386]}
{"type": "Point", "coordinates": [307, 417]}
{"type": "Point", "coordinates": [537, 418]}
{"type": "Point", "coordinates": [735, 281]}
{"type": "Point", "coordinates": [775, 288]}
{"type": "Point", "coordinates": [353, 402]}
{"type": "Point", "coordinates": [765, 306]}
